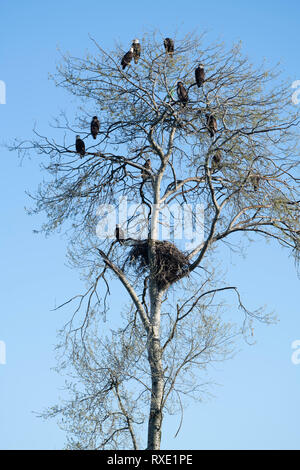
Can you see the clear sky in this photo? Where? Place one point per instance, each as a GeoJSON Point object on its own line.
{"type": "Point", "coordinates": [257, 404]}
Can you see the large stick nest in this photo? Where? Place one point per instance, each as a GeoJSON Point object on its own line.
{"type": "Point", "coordinates": [170, 263]}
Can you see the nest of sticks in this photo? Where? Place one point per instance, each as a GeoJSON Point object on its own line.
{"type": "Point", "coordinates": [171, 264]}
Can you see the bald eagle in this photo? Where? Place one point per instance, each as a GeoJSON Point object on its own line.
{"type": "Point", "coordinates": [182, 93]}
{"type": "Point", "coordinates": [119, 234]}
{"type": "Point", "coordinates": [200, 75]}
{"type": "Point", "coordinates": [147, 166]}
{"type": "Point", "coordinates": [211, 124]}
{"type": "Point", "coordinates": [169, 46]}
{"type": "Point", "coordinates": [216, 162]}
{"type": "Point", "coordinates": [136, 50]}
{"type": "Point", "coordinates": [127, 58]}
{"type": "Point", "coordinates": [95, 126]}
{"type": "Point", "coordinates": [80, 147]}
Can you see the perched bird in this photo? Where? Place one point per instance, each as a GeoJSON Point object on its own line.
{"type": "Point", "coordinates": [119, 234]}
{"type": "Point", "coordinates": [136, 50]}
{"type": "Point", "coordinates": [127, 58]}
{"type": "Point", "coordinates": [216, 161]}
{"type": "Point", "coordinates": [182, 93]}
{"type": "Point", "coordinates": [169, 46]}
{"type": "Point", "coordinates": [211, 124]}
{"type": "Point", "coordinates": [95, 126]}
{"type": "Point", "coordinates": [80, 147]}
{"type": "Point", "coordinates": [200, 75]}
{"type": "Point", "coordinates": [255, 180]}
{"type": "Point", "coordinates": [147, 166]}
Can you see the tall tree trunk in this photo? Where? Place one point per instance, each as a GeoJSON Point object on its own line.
{"type": "Point", "coordinates": [155, 415]}
{"type": "Point", "coordinates": [155, 361]}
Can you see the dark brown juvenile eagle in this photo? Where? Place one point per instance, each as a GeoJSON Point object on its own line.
{"type": "Point", "coordinates": [147, 166]}
{"type": "Point", "coordinates": [216, 161]}
{"type": "Point", "coordinates": [80, 147]}
{"type": "Point", "coordinates": [169, 46]}
{"type": "Point", "coordinates": [136, 50]}
{"type": "Point", "coordinates": [200, 75]}
{"type": "Point", "coordinates": [95, 126]}
{"type": "Point", "coordinates": [182, 93]}
{"type": "Point", "coordinates": [127, 58]}
{"type": "Point", "coordinates": [211, 124]}
{"type": "Point", "coordinates": [119, 234]}
{"type": "Point", "coordinates": [255, 180]}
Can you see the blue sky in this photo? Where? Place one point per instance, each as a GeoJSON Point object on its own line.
{"type": "Point", "coordinates": [257, 404]}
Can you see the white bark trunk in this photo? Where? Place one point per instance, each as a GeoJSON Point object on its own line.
{"type": "Point", "coordinates": [155, 361]}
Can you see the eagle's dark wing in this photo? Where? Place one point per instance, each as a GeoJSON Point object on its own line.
{"type": "Point", "coordinates": [145, 174]}
{"type": "Point", "coordinates": [211, 124]}
{"type": "Point", "coordinates": [80, 147]}
{"type": "Point", "coordinates": [119, 235]}
{"type": "Point", "coordinates": [255, 179]}
{"type": "Point", "coordinates": [199, 76]}
{"type": "Point", "coordinates": [127, 58]}
{"type": "Point", "coordinates": [217, 161]}
{"type": "Point", "coordinates": [214, 124]}
{"type": "Point", "coordinates": [169, 46]}
{"type": "Point", "coordinates": [182, 94]}
{"type": "Point", "coordinates": [95, 127]}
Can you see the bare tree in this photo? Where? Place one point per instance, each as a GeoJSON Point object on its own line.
{"type": "Point", "coordinates": [232, 144]}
